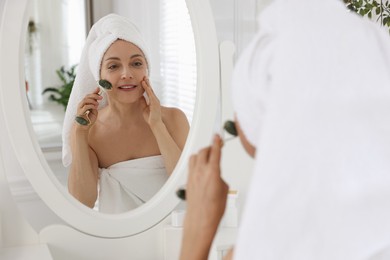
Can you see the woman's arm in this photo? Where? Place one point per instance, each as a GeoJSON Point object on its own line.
{"type": "Point", "coordinates": [83, 175]}
{"type": "Point", "coordinates": [171, 137]}
{"type": "Point", "coordinates": [206, 195]}
{"type": "Point", "coordinates": [169, 128]}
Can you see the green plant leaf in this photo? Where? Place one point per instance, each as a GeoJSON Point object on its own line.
{"type": "Point", "coordinates": [53, 98]}
{"type": "Point", "coordinates": [60, 74]}
{"type": "Point", "coordinates": [386, 21]}
{"type": "Point", "coordinates": [62, 93]}
{"type": "Point", "coordinates": [56, 90]}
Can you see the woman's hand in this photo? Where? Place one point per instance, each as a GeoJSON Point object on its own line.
{"type": "Point", "coordinates": [206, 195]}
{"type": "Point", "coordinates": [88, 107]}
{"type": "Point", "coordinates": [206, 191]}
{"type": "Point", "coordinates": [152, 110]}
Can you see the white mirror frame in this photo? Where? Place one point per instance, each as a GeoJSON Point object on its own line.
{"type": "Point", "coordinates": [25, 145]}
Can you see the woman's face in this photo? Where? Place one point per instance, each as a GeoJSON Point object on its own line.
{"type": "Point", "coordinates": [124, 66]}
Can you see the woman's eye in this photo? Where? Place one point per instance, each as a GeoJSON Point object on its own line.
{"type": "Point", "coordinates": [137, 63]}
{"type": "Point", "coordinates": [112, 67]}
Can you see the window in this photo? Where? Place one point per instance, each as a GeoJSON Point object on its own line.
{"type": "Point", "coordinates": [178, 57]}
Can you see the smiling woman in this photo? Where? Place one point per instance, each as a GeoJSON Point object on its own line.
{"type": "Point", "coordinates": [131, 145]}
{"type": "Point", "coordinates": [172, 74]}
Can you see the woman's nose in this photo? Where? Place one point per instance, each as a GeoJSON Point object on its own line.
{"type": "Point", "coordinates": [127, 73]}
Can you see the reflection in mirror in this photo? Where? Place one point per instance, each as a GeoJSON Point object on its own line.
{"type": "Point", "coordinates": [55, 43]}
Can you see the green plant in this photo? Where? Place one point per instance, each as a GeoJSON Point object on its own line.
{"type": "Point", "coordinates": [377, 9]}
{"type": "Point", "coordinates": [61, 93]}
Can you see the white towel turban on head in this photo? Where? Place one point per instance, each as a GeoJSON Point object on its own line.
{"type": "Point", "coordinates": [312, 93]}
{"type": "Point", "coordinates": [102, 34]}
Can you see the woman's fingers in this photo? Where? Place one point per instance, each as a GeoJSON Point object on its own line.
{"type": "Point", "coordinates": [94, 95]}
{"type": "Point", "coordinates": [88, 104]}
{"type": "Point", "coordinates": [192, 166]}
{"type": "Point", "coordinates": [211, 154]}
{"type": "Point", "coordinates": [145, 107]}
{"type": "Point", "coordinates": [87, 107]}
{"type": "Point", "coordinates": [144, 103]}
{"type": "Point", "coordinates": [145, 85]}
{"type": "Point", "coordinates": [192, 161]}
{"type": "Point", "coordinates": [203, 155]}
{"type": "Point", "coordinates": [85, 102]}
{"type": "Point", "coordinates": [149, 90]}
{"type": "Point", "coordinates": [91, 99]}
{"type": "Point", "coordinates": [97, 90]}
{"type": "Point", "coordinates": [215, 151]}
{"type": "Point", "coordinates": [152, 113]}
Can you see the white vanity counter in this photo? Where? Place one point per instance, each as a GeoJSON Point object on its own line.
{"type": "Point", "coordinates": [33, 252]}
{"type": "Point", "coordinates": [47, 124]}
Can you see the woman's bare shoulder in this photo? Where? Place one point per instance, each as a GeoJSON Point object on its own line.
{"type": "Point", "coordinates": [173, 115]}
{"type": "Point", "coordinates": [177, 124]}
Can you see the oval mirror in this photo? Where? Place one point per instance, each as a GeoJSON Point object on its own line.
{"type": "Point", "coordinates": [17, 116]}
{"type": "Point", "coordinates": [56, 35]}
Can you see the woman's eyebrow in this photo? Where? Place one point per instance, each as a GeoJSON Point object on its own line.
{"type": "Point", "coordinates": [136, 55]}
{"type": "Point", "coordinates": [131, 57]}
{"type": "Point", "coordinates": [112, 58]}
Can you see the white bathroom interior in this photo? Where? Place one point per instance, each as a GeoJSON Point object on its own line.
{"type": "Point", "coordinates": [194, 45]}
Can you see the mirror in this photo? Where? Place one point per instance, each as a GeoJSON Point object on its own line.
{"type": "Point", "coordinates": [21, 134]}
{"type": "Point", "coordinates": [56, 35]}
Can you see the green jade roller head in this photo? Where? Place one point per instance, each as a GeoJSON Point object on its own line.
{"type": "Point", "coordinates": [105, 84]}
{"type": "Point", "coordinates": [83, 119]}
{"type": "Point", "coordinates": [230, 127]}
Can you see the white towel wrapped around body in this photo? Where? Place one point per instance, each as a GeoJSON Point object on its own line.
{"type": "Point", "coordinates": [129, 184]}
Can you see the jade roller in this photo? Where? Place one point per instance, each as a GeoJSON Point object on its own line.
{"type": "Point", "coordinates": [229, 127]}
{"type": "Point", "coordinates": [84, 119]}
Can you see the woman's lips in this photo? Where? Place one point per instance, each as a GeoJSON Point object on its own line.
{"type": "Point", "coordinates": [127, 87]}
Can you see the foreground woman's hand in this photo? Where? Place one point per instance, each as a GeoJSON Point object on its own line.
{"type": "Point", "coordinates": [206, 195]}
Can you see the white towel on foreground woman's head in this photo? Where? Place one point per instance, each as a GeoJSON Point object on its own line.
{"type": "Point", "coordinates": [312, 93]}
{"type": "Point", "coordinates": [102, 34]}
